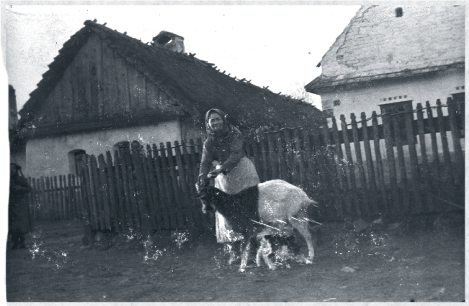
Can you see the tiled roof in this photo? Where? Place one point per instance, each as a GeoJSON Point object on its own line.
{"type": "Point", "coordinates": [197, 83]}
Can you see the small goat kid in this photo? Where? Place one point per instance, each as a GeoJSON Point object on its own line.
{"type": "Point", "coordinates": [278, 243]}
{"type": "Point", "coordinates": [269, 202]}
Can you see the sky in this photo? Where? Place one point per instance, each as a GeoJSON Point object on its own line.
{"type": "Point", "coordinates": [272, 45]}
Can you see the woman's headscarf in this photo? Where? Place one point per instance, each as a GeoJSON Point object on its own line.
{"type": "Point", "coordinates": [227, 127]}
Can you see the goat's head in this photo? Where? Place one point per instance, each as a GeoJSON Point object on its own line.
{"type": "Point", "coordinates": [205, 193]}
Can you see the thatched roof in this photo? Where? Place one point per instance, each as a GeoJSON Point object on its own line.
{"type": "Point", "coordinates": [199, 85]}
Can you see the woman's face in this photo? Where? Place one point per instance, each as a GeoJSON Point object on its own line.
{"type": "Point", "coordinates": [215, 122]}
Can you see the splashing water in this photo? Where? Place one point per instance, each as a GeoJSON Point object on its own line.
{"type": "Point", "coordinates": [151, 250]}
{"type": "Point", "coordinates": [352, 243]}
{"type": "Point", "coordinates": [180, 237]}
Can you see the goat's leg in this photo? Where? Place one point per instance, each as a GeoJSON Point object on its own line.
{"type": "Point", "coordinates": [269, 261]}
{"type": "Point", "coordinates": [259, 256]}
{"type": "Point", "coordinates": [302, 227]}
{"type": "Point", "coordinates": [245, 255]}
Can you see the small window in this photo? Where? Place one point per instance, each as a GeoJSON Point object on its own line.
{"type": "Point", "coordinates": [122, 147]}
{"type": "Point", "coordinates": [399, 12]}
{"type": "Point", "coordinates": [399, 111]}
{"type": "Point", "coordinates": [336, 102]}
{"type": "Point", "coordinates": [75, 159]}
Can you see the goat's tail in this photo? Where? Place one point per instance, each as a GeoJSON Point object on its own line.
{"type": "Point", "coordinates": [312, 202]}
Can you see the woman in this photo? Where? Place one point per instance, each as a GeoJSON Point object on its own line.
{"type": "Point", "coordinates": [224, 150]}
{"type": "Point", "coordinates": [20, 222]}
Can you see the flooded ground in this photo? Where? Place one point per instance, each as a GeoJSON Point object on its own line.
{"type": "Point", "coordinates": [418, 260]}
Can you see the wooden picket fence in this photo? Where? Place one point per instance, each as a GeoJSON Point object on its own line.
{"type": "Point", "coordinates": [56, 198]}
{"type": "Point", "coordinates": [391, 164]}
{"type": "Point", "coordinates": [144, 190]}
{"type": "Point", "coordinates": [365, 169]}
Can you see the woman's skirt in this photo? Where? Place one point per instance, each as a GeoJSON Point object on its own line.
{"type": "Point", "coordinates": [244, 175]}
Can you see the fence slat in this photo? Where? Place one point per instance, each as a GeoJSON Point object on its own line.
{"type": "Point", "coordinates": [350, 169]}
{"type": "Point", "coordinates": [71, 201]}
{"type": "Point", "coordinates": [444, 143]}
{"type": "Point", "coordinates": [287, 165]}
{"type": "Point", "coordinates": [435, 165]}
{"type": "Point", "coordinates": [86, 194]}
{"type": "Point", "coordinates": [62, 202]}
{"type": "Point", "coordinates": [414, 165]}
{"type": "Point", "coordinates": [191, 184]}
{"type": "Point", "coordinates": [33, 203]}
{"type": "Point", "coordinates": [456, 137]}
{"type": "Point", "coordinates": [129, 189]}
{"type": "Point", "coordinates": [361, 171]}
{"type": "Point", "coordinates": [57, 207]}
{"type": "Point", "coordinates": [369, 167]}
{"type": "Point", "coordinates": [309, 169]}
{"type": "Point", "coordinates": [341, 183]}
{"type": "Point", "coordinates": [329, 156]}
{"type": "Point", "coordinates": [113, 202]}
{"type": "Point", "coordinates": [157, 220]}
{"type": "Point", "coordinates": [168, 187]}
{"type": "Point", "coordinates": [299, 158]}
{"type": "Point", "coordinates": [183, 184]}
{"type": "Point", "coordinates": [379, 165]}
{"type": "Point", "coordinates": [176, 191]}
{"type": "Point", "coordinates": [388, 140]}
{"type": "Point", "coordinates": [163, 191]}
{"type": "Point", "coordinates": [123, 193]}
{"type": "Point", "coordinates": [140, 193]}
{"type": "Point", "coordinates": [261, 147]}
{"type": "Point", "coordinates": [426, 175]}
{"type": "Point", "coordinates": [273, 157]}
{"type": "Point", "coordinates": [401, 163]}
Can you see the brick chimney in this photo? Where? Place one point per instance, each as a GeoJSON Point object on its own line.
{"type": "Point", "coordinates": [169, 41]}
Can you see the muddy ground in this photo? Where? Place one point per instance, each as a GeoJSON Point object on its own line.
{"type": "Point", "coordinates": [418, 259]}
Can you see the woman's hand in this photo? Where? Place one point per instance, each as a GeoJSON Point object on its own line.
{"type": "Point", "coordinates": [214, 173]}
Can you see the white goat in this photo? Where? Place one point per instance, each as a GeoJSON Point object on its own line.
{"type": "Point", "coordinates": [267, 202]}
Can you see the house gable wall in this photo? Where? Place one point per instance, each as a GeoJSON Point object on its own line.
{"type": "Point", "coordinates": [378, 42]}
{"type": "Point", "coordinates": [99, 84]}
